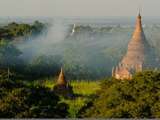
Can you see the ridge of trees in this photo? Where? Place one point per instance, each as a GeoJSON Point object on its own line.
{"type": "Point", "coordinates": [136, 98]}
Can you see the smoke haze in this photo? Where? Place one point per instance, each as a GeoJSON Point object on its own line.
{"type": "Point", "coordinates": [94, 47]}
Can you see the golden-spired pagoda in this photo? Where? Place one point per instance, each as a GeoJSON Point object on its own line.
{"type": "Point", "coordinates": [62, 87]}
{"type": "Point", "coordinates": [61, 79]}
{"type": "Point", "coordinates": [139, 54]}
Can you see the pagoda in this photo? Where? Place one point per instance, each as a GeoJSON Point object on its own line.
{"type": "Point", "coordinates": [61, 79]}
{"type": "Point", "coordinates": [139, 55]}
{"type": "Point", "coordinates": [62, 87]}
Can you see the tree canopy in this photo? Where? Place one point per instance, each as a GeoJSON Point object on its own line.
{"type": "Point", "coordinates": [20, 101]}
{"type": "Point", "coordinates": [8, 54]}
{"type": "Point", "coordinates": [136, 98]}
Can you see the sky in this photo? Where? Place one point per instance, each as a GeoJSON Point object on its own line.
{"type": "Point", "coordinates": [82, 8]}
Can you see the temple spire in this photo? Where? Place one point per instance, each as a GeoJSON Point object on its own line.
{"type": "Point", "coordinates": [62, 88]}
{"type": "Point", "coordinates": [139, 14]}
{"type": "Point", "coordinates": [138, 32]}
{"type": "Point", "coordinates": [136, 53]}
{"type": "Point", "coordinates": [61, 79]}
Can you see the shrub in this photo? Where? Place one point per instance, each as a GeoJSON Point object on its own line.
{"type": "Point", "coordinates": [138, 98]}
{"type": "Point", "coordinates": [30, 102]}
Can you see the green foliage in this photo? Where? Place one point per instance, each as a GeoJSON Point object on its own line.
{"type": "Point", "coordinates": [79, 61]}
{"type": "Point", "coordinates": [14, 30]}
{"type": "Point", "coordinates": [10, 61]}
{"type": "Point", "coordinates": [85, 87]}
{"type": "Point", "coordinates": [8, 54]}
{"type": "Point", "coordinates": [85, 91]}
{"type": "Point", "coordinates": [23, 101]}
{"type": "Point", "coordinates": [37, 27]}
{"type": "Point", "coordinates": [138, 98]}
{"type": "Point", "coordinates": [44, 66]}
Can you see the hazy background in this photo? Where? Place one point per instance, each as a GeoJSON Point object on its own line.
{"type": "Point", "coordinates": [89, 8]}
{"type": "Point", "coordinates": [85, 37]}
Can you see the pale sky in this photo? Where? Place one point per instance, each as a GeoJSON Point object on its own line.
{"type": "Point", "coordinates": [89, 8]}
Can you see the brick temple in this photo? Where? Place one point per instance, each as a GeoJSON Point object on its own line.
{"type": "Point", "coordinates": [139, 54]}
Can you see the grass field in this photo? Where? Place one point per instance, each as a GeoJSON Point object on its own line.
{"type": "Point", "coordinates": [85, 89]}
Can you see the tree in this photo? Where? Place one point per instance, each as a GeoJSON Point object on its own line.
{"type": "Point", "coordinates": [37, 27]}
{"type": "Point", "coordinates": [138, 98]}
{"type": "Point", "coordinates": [8, 54]}
{"type": "Point", "coordinates": [30, 102]}
{"type": "Point", "coordinates": [44, 66]}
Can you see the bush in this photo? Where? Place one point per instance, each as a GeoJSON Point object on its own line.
{"type": "Point", "coordinates": [30, 102]}
{"type": "Point", "coordinates": [138, 98]}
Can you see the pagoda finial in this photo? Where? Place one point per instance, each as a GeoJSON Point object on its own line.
{"type": "Point", "coordinates": [139, 15]}
{"type": "Point", "coordinates": [139, 11]}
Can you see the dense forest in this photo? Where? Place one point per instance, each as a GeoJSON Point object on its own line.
{"type": "Point", "coordinates": [27, 86]}
{"type": "Point", "coordinates": [11, 61]}
{"type": "Point", "coordinates": [137, 98]}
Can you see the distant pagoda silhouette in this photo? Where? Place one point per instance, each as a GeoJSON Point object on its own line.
{"type": "Point", "coordinates": [139, 56]}
{"type": "Point", "coordinates": [61, 79]}
{"type": "Point", "coordinates": [62, 87]}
